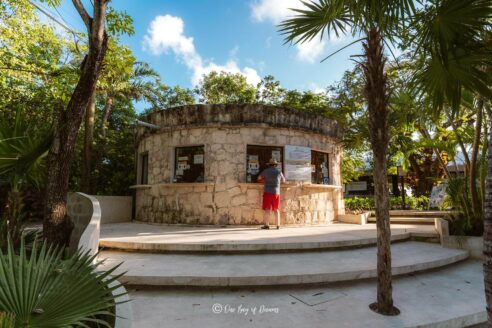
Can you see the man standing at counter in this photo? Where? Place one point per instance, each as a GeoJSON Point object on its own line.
{"type": "Point", "coordinates": [272, 177]}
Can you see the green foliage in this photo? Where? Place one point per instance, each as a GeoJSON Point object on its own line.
{"type": "Point", "coordinates": [225, 88]}
{"type": "Point", "coordinates": [324, 17]}
{"type": "Point", "coordinates": [41, 289]}
{"type": "Point", "coordinates": [118, 23]}
{"type": "Point", "coordinates": [463, 220]}
{"type": "Point", "coordinates": [22, 150]}
{"type": "Point", "coordinates": [361, 204]}
{"type": "Point", "coordinates": [168, 97]}
{"type": "Point", "coordinates": [7, 320]}
{"type": "Point", "coordinates": [452, 39]}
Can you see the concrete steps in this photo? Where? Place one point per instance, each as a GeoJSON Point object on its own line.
{"type": "Point", "coordinates": [305, 268]}
{"type": "Point", "coordinates": [135, 237]}
{"type": "Point", "coordinates": [451, 297]}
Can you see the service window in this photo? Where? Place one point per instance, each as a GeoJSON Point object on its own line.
{"type": "Point", "coordinates": [319, 168]}
{"type": "Point", "coordinates": [144, 168]}
{"type": "Point", "coordinates": [188, 164]}
{"type": "Point", "coordinates": [257, 158]}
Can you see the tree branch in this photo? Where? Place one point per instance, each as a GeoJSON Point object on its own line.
{"type": "Point", "coordinates": [83, 13]}
{"type": "Point", "coordinates": [100, 7]}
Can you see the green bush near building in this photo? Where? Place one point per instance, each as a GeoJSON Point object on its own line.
{"type": "Point", "coordinates": [360, 204]}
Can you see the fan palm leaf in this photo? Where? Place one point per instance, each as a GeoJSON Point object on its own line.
{"type": "Point", "coordinates": [44, 290]}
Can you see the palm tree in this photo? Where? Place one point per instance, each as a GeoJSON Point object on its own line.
{"type": "Point", "coordinates": [454, 45]}
{"type": "Point", "coordinates": [377, 21]}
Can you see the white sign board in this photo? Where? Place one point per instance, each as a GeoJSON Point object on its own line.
{"type": "Point", "coordinates": [357, 186]}
{"type": "Point", "coordinates": [297, 172]}
{"type": "Point", "coordinates": [438, 194]}
{"type": "Point", "coordinates": [297, 163]}
{"type": "Point", "coordinates": [297, 154]}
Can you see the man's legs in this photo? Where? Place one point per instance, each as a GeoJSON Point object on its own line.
{"type": "Point", "coordinates": [278, 218]}
{"type": "Point", "coordinates": [266, 218]}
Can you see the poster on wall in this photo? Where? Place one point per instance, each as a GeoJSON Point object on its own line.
{"type": "Point", "coordinates": [299, 154]}
{"type": "Point", "coordinates": [297, 163]}
{"type": "Point", "coordinates": [253, 165]}
{"type": "Point", "coordinates": [276, 155]}
{"type": "Point", "coordinates": [198, 159]}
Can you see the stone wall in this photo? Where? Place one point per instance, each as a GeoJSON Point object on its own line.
{"type": "Point", "coordinates": [225, 197]}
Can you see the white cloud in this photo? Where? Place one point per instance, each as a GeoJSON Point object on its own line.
{"type": "Point", "coordinates": [275, 11]}
{"type": "Point", "coordinates": [166, 33]}
{"type": "Point", "coordinates": [312, 50]}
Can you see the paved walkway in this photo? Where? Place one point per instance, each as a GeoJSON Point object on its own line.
{"type": "Point", "coordinates": [132, 236]}
{"type": "Point", "coordinates": [451, 297]}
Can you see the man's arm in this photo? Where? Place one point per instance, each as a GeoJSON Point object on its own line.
{"type": "Point", "coordinates": [261, 177]}
{"type": "Point", "coordinates": [282, 177]}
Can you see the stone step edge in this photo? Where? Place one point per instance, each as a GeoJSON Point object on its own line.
{"type": "Point", "coordinates": [406, 219]}
{"type": "Point", "coordinates": [252, 247]}
{"type": "Point", "coordinates": [284, 280]}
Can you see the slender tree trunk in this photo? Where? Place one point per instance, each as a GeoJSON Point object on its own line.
{"type": "Point", "coordinates": [487, 234]}
{"type": "Point", "coordinates": [376, 95]}
{"type": "Point", "coordinates": [103, 128]}
{"type": "Point", "coordinates": [476, 206]}
{"type": "Point", "coordinates": [463, 148]}
{"type": "Point", "coordinates": [86, 185]}
{"type": "Point", "coordinates": [57, 226]}
{"type": "Point", "coordinates": [103, 131]}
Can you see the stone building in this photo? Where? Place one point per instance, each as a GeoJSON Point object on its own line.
{"type": "Point", "coordinates": [199, 164]}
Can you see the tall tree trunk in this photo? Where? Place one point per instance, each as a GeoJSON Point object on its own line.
{"type": "Point", "coordinates": [487, 233]}
{"type": "Point", "coordinates": [57, 226]}
{"type": "Point", "coordinates": [103, 131]}
{"type": "Point", "coordinates": [86, 184]}
{"type": "Point", "coordinates": [475, 200]}
{"type": "Point", "coordinates": [376, 95]}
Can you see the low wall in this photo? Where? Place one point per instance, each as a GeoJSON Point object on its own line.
{"type": "Point", "coordinates": [470, 243]}
{"type": "Point", "coordinates": [115, 209]}
{"type": "Point", "coordinates": [237, 203]}
{"type": "Point", "coordinates": [354, 218]}
{"type": "Point", "coordinates": [85, 213]}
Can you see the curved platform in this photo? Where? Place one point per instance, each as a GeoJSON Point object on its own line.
{"type": "Point", "coordinates": [274, 269]}
{"type": "Point", "coordinates": [452, 297]}
{"type": "Point", "coordinates": [179, 238]}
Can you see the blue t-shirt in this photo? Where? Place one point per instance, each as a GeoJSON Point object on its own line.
{"type": "Point", "coordinates": [272, 176]}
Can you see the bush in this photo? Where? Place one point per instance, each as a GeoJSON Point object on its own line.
{"type": "Point", "coordinates": [42, 289]}
{"type": "Point", "coordinates": [361, 204]}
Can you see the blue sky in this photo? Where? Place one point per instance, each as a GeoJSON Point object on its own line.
{"type": "Point", "coordinates": [184, 39]}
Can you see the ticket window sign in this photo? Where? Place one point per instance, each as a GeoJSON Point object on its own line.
{"type": "Point", "coordinates": [298, 163]}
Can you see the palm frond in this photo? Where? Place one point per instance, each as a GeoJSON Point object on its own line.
{"type": "Point", "coordinates": [44, 290]}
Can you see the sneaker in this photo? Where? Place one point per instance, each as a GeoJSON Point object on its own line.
{"type": "Point", "coordinates": [265, 227]}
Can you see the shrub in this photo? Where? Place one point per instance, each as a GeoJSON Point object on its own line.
{"type": "Point", "coordinates": [360, 204]}
{"type": "Point", "coordinates": [44, 290]}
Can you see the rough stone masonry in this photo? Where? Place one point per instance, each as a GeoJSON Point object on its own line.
{"type": "Point", "coordinates": [225, 197]}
